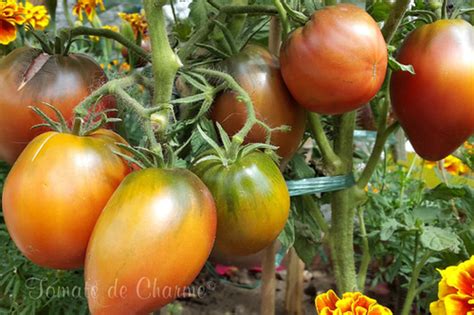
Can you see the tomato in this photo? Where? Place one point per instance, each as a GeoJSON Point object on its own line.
{"type": "Point", "coordinates": [336, 62]}
{"type": "Point", "coordinates": [150, 242]}
{"type": "Point", "coordinates": [252, 202]}
{"type": "Point", "coordinates": [29, 77]}
{"type": "Point", "coordinates": [258, 72]}
{"type": "Point", "coordinates": [435, 106]}
{"type": "Point", "coordinates": [55, 192]}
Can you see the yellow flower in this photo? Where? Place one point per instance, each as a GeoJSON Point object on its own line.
{"type": "Point", "coordinates": [137, 22]}
{"type": "Point", "coordinates": [452, 164]}
{"type": "Point", "coordinates": [11, 15]}
{"type": "Point", "coordinates": [455, 290]}
{"type": "Point", "coordinates": [106, 27]}
{"type": "Point", "coordinates": [36, 15]}
{"type": "Point", "coordinates": [125, 67]}
{"type": "Point", "coordinates": [352, 303]}
{"type": "Point", "coordinates": [88, 7]}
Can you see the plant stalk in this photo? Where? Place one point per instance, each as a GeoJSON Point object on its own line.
{"type": "Point", "coordinates": [364, 265]}
{"type": "Point", "coordinates": [413, 284]}
{"type": "Point", "coordinates": [332, 162]}
{"type": "Point", "coordinates": [343, 212]}
{"type": "Point", "coordinates": [394, 19]}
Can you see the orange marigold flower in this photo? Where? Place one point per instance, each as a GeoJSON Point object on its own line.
{"type": "Point", "coordinates": [455, 166]}
{"type": "Point", "coordinates": [352, 303]}
{"type": "Point", "coordinates": [11, 15]}
{"type": "Point", "coordinates": [452, 164]}
{"type": "Point", "coordinates": [137, 21]}
{"type": "Point", "coordinates": [125, 67]}
{"type": "Point", "coordinates": [36, 15]}
{"type": "Point", "coordinates": [88, 7]}
{"type": "Point", "coordinates": [455, 290]}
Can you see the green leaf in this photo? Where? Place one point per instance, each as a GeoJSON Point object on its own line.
{"type": "Point", "coordinates": [388, 228]}
{"type": "Point", "coordinates": [307, 231]}
{"type": "Point", "coordinates": [426, 214]}
{"type": "Point", "coordinates": [287, 236]}
{"type": "Point", "coordinates": [397, 66]}
{"type": "Point", "coordinates": [438, 239]}
{"type": "Point", "coordinates": [380, 10]}
{"type": "Point", "coordinates": [198, 12]}
{"type": "Point", "coordinates": [300, 168]}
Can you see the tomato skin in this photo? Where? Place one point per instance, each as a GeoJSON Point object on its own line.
{"type": "Point", "coordinates": [258, 72]}
{"type": "Point", "coordinates": [156, 231]}
{"type": "Point", "coordinates": [336, 62]}
{"type": "Point", "coordinates": [252, 202]}
{"type": "Point", "coordinates": [63, 81]}
{"type": "Point", "coordinates": [55, 192]}
{"type": "Point", "coordinates": [435, 106]}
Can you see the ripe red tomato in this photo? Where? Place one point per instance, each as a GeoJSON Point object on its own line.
{"type": "Point", "coordinates": [150, 242]}
{"type": "Point", "coordinates": [258, 72]}
{"type": "Point", "coordinates": [435, 106]}
{"type": "Point", "coordinates": [252, 202]}
{"type": "Point", "coordinates": [336, 62]}
{"type": "Point", "coordinates": [29, 77]}
{"type": "Point", "coordinates": [55, 192]}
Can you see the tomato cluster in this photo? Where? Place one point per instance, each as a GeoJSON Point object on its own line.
{"type": "Point", "coordinates": [70, 201]}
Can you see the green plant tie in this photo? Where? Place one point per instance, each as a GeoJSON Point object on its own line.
{"type": "Point", "coordinates": [308, 186]}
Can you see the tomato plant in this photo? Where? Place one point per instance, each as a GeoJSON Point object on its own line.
{"type": "Point", "coordinates": [435, 106]}
{"type": "Point", "coordinates": [336, 62]}
{"type": "Point", "coordinates": [55, 192]}
{"type": "Point", "coordinates": [153, 238]}
{"type": "Point", "coordinates": [252, 202]}
{"type": "Point", "coordinates": [30, 77]}
{"type": "Point", "coordinates": [258, 72]}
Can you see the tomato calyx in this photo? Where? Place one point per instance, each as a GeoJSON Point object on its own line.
{"type": "Point", "coordinates": [232, 150]}
{"type": "Point", "coordinates": [52, 45]}
{"type": "Point", "coordinates": [80, 126]}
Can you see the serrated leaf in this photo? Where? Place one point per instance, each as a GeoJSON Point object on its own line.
{"type": "Point", "coordinates": [380, 10]}
{"type": "Point", "coordinates": [397, 66]}
{"type": "Point", "coordinates": [198, 12]}
{"type": "Point", "coordinates": [287, 236]}
{"type": "Point", "coordinates": [438, 239]}
{"type": "Point", "coordinates": [426, 214]}
{"type": "Point", "coordinates": [300, 168]}
{"type": "Point", "coordinates": [388, 228]}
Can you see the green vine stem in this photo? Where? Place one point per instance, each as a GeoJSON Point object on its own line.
{"type": "Point", "coordinates": [413, 284]}
{"type": "Point", "coordinates": [364, 264]}
{"type": "Point", "coordinates": [164, 61]}
{"type": "Point", "coordinates": [283, 18]}
{"type": "Point", "coordinates": [332, 162]}
{"type": "Point", "coordinates": [394, 19]}
{"type": "Point", "coordinates": [244, 97]}
{"type": "Point", "coordinates": [444, 9]}
{"type": "Point", "coordinates": [67, 14]}
{"type": "Point", "coordinates": [251, 9]}
{"type": "Point", "coordinates": [342, 222]}
{"type": "Point", "coordinates": [83, 107]}
{"type": "Point", "coordinates": [83, 30]}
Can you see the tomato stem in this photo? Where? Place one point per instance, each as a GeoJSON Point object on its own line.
{"type": "Point", "coordinates": [341, 236]}
{"type": "Point", "coordinates": [394, 19]}
{"type": "Point", "coordinates": [332, 162]}
{"type": "Point", "coordinates": [77, 126]}
{"type": "Point", "coordinates": [283, 18]}
{"type": "Point", "coordinates": [83, 30]}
